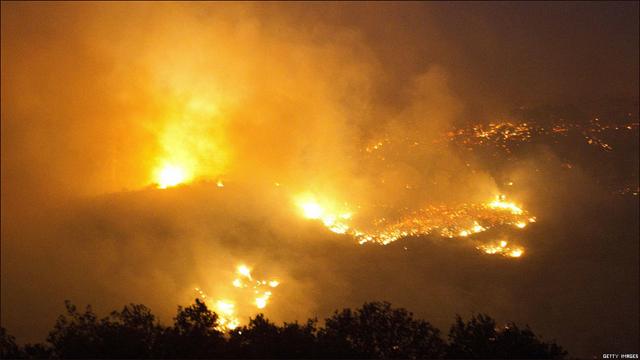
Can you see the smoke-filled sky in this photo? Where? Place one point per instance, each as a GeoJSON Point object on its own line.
{"type": "Point", "coordinates": [150, 148]}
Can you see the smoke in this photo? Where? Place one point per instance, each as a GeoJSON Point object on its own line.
{"type": "Point", "coordinates": [272, 100]}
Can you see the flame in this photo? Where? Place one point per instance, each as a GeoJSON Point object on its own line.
{"type": "Point", "coordinates": [244, 271]}
{"type": "Point", "coordinates": [225, 309]}
{"type": "Point", "coordinates": [261, 301]}
{"type": "Point", "coordinates": [516, 252]}
{"type": "Point", "coordinates": [170, 175]}
{"type": "Point", "coordinates": [312, 210]}
{"type": "Point", "coordinates": [502, 248]}
{"type": "Point", "coordinates": [249, 293]}
{"type": "Point", "coordinates": [226, 315]}
{"type": "Point", "coordinates": [500, 204]}
{"type": "Point", "coordinates": [333, 219]}
{"type": "Point", "coordinates": [478, 228]}
{"type": "Point", "coordinates": [191, 140]}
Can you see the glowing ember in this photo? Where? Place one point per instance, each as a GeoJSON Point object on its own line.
{"type": "Point", "coordinates": [507, 133]}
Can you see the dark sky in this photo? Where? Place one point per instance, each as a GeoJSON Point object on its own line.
{"type": "Point", "coordinates": [279, 99]}
{"type": "Point", "coordinates": [501, 53]}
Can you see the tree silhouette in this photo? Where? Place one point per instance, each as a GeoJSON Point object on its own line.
{"type": "Point", "coordinates": [129, 333]}
{"type": "Point", "coordinates": [479, 338]}
{"type": "Point", "coordinates": [298, 341]}
{"type": "Point", "coordinates": [36, 351]}
{"type": "Point", "coordinates": [262, 338]}
{"type": "Point", "coordinates": [258, 339]}
{"type": "Point", "coordinates": [8, 347]}
{"type": "Point", "coordinates": [75, 335]}
{"type": "Point", "coordinates": [126, 334]}
{"type": "Point", "coordinates": [376, 330]}
{"type": "Point", "coordinates": [193, 334]}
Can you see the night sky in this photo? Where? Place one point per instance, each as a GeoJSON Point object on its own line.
{"type": "Point", "coordinates": [451, 158]}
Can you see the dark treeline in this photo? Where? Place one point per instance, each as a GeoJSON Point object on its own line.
{"type": "Point", "coordinates": [376, 330]}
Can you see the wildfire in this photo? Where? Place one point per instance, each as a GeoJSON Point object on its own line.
{"type": "Point", "coordinates": [247, 286]}
{"type": "Point", "coordinates": [460, 221]}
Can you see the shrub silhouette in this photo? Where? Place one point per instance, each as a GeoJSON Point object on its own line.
{"type": "Point", "coordinates": [376, 330]}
